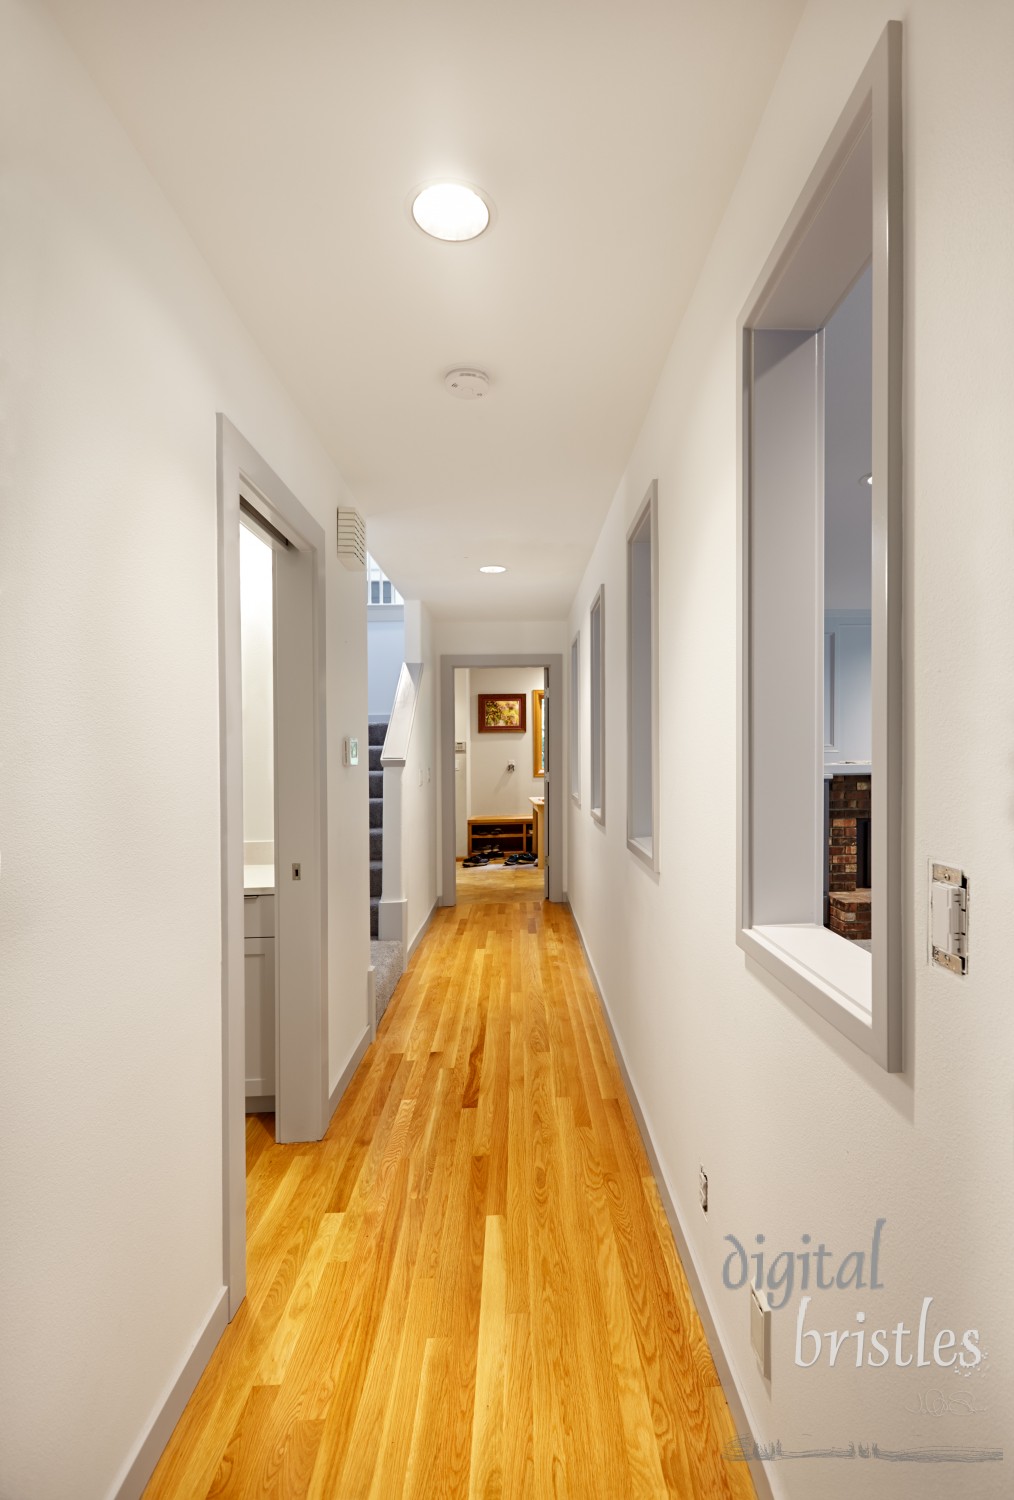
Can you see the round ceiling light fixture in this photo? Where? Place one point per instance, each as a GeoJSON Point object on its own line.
{"type": "Point", "coordinates": [492, 568]}
{"type": "Point", "coordinates": [451, 211]}
{"type": "Point", "coordinates": [467, 385]}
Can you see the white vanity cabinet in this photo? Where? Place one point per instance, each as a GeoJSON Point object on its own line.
{"type": "Point", "coordinates": [259, 967]}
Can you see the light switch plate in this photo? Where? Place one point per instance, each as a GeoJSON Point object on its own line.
{"type": "Point", "coordinates": [350, 751]}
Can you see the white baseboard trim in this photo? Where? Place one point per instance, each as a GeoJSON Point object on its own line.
{"type": "Point", "coordinates": [347, 1072]}
{"type": "Point", "coordinates": [737, 1405]}
{"type": "Point", "coordinates": [159, 1429]}
{"type": "Point", "coordinates": [392, 920]}
{"type": "Point", "coordinates": [423, 928]}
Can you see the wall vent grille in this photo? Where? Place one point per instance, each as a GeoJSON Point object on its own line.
{"type": "Point", "coordinates": [351, 540]}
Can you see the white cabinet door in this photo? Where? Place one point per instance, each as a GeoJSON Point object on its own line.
{"type": "Point", "coordinates": [259, 959]}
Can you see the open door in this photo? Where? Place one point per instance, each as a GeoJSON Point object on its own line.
{"type": "Point", "coordinates": [248, 487]}
{"type": "Point", "coordinates": [301, 1109]}
{"type": "Point", "coordinates": [547, 720]}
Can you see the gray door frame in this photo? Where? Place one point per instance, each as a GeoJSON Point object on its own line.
{"type": "Point", "coordinates": [302, 992]}
{"type": "Point", "coordinates": [555, 791]}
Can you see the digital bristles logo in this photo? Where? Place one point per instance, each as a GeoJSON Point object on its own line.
{"type": "Point", "coordinates": [815, 1269]}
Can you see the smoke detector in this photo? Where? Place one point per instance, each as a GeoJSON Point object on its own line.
{"type": "Point", "coordinates": [467, 385]}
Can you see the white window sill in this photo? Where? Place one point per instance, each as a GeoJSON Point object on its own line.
{"type": "Point", "coordinates": [643, 846]}
{"type": "Point", "coordinates": [843, 971]}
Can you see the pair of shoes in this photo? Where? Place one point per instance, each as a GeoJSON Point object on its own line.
{"type": "Point", "coordinates": [473, 861]}
{"type": "Point", "coordinates": [520, 859]}
{"type": "Point", "coordinates": [492, 851]}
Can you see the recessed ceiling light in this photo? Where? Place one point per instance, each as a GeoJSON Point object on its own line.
{"type": "Point", "coordinates": [492, 568]}
{"type": "Point", "coordinates": [450, 211]}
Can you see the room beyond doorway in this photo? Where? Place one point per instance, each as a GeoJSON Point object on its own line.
{"type": "Point", "coordinates": [508, 706]}
{"type": "Point", "coordinates": [499, 771]}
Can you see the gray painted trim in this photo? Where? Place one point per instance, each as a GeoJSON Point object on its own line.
{"type": "Point", "coordinates": [875, 104]}
{"type": "Point", "coordinates": [553, 663]}
{"type": "Point", "coordinates": [423, 929]}
{"type": "Point", "coordinates": [260, 1104]}
{"type": "Point", "coordinates": [151, 1445]}
{"type": "Point", "coordinates": [648, 507]}
{"type": "Point", "coordinates": [733, 1395]}
{"type": "Point", "coordinates": [371, 1003]}
{"type": "Point", "coordinates": [335, 1097]}
{"type": "Point", "coordinates": [598, 603]}
{"type": "Point", "coordinates": [239, 465]}
{"type": "Point", "coordinates": [574, 722]}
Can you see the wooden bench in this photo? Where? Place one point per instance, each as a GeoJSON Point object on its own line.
{"type": "Point", "coordinates": [511, 835]}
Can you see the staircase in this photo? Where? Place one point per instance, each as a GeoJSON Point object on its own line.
{"type": "Point", "coordinates": [377, 733]}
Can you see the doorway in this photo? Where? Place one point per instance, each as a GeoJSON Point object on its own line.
{"type": "Point", "coordinates": [499, 780]}
{"type": "Point", "coordinates": [248, 488]}
{"type": "Point", "coordinates": [499, 712]}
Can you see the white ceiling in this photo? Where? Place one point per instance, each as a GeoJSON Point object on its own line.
{"type": "Point", "coordinates": [289, 136]}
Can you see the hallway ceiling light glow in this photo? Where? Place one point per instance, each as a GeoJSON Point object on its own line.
{"type": "Point", "coordinates": [492, 568]}
{"type": "Point", "coordinates": [450, 211]}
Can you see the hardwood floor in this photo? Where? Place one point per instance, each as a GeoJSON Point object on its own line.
{"type": "Point", "coordinates": [469, 1288]}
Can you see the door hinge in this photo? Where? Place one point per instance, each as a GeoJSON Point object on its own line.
{"type": "Point", "coordinates": [948, 918]}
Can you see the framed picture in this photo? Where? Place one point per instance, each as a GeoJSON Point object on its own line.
{"type": "Point", "coordinates": [502, 713]}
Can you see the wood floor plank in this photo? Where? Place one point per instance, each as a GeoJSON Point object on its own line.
{"type": "Point", "coordinates": [230, 1483]}
{"type": "Point", "coordinates": [486, 1471]}
{"type": "Point", "coordinates": [392, 1452]}
{"type": "Point", "coordinates": [424, 1475]}
{"type": "Point", "coordinates": [469, 1288]}
{"type": "Point", "coordinates": [296, 1309]}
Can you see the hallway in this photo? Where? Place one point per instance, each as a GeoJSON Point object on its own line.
{"type": "Point", "coordinates": [469, 1287]}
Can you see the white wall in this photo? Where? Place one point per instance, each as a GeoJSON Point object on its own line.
{"type": "Point", "coordinates": [119, 349]}
{"type": "Point", "coordinates": [385, 653]}
{"type": "Point", "coordinates": [257, 609]}
{"type": "Point", "coordinates": [493, 789]}
{"type": "Point", "coordinates": [798, 1132]}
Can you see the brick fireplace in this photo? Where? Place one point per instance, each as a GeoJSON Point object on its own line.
{"type": "Point", "coordinates": [848, 857]}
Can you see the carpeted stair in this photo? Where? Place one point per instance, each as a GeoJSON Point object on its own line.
{"type": "Point", "coordinates": [388, 960]}
{"type": "Point", "coordinates": [377, 733]}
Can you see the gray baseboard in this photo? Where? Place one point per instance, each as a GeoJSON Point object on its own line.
{"type": "Point", "coordinates": [423, 929]}
{"type": "Point", "coordinates": [159, 1430]}
{"type": "Point", "coordinates": [260, 1104]}
{"type": "Point", "coordinates": [347, 1072]}
{"type": "Point", "coordinates": [737, 1406]}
